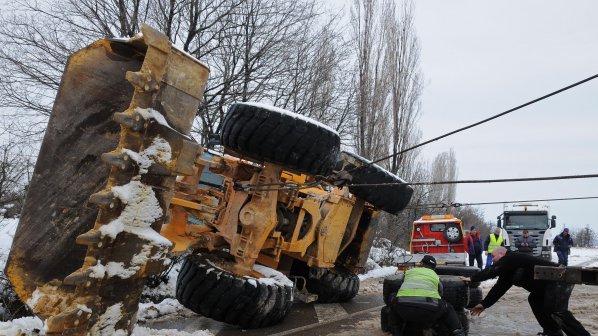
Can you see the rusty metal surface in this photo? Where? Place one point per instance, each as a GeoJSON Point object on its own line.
{"type": "Point", "coordinates": [68, 168]}
{"type": "Point", "coordinates": [569, 274]}
{"type": "Point", "coordinates": [95, 287]}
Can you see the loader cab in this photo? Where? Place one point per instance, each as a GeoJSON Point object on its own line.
{"type": "Point", "coordinates": [437, 234]}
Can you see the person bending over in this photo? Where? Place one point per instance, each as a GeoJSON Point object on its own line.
{"type": "Point", "coordinates": [549, 300]}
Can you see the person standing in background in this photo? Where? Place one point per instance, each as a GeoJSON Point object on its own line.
{"type": "Point", "coordinates": [493, 241]}
{"type": "Point", "coordinates": [525, 244]}
{"type": "Point", "coordinates": [474, 247]}
{"type": "Point", "coordinates": [562, 246]}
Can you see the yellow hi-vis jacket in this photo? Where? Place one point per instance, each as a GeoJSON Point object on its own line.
{"type": "Point", "coordinates": [494, 243]}
{"type": "Point", "coordinates": [420, 281]}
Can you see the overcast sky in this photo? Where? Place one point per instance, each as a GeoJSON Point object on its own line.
{"type": "Point", "coordinates": [480, 58]}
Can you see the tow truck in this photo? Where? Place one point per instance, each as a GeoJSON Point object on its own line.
{"type": "Point", "coordinates": [441, 236]}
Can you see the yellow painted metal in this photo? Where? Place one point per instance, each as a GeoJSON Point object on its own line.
{"type": "Point", "coordinates": [257, 218]}
{"type": "Point", "coordinates": [330, 232]}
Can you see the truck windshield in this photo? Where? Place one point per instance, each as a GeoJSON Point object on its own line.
{"type": "Point", "coordinates": [528, 222]}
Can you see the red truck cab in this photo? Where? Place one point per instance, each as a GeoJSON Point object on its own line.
{"type": "Point", "coordinates": [441, 236]}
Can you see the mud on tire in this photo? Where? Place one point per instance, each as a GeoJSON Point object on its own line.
{"type": "Point", "coordinates": [390, 198]}
{"type": "Point", "coordinates": [278, 136]}
{"type": "Point", "coordinates": [332, 285]}
{"type": "Point", "coordinates": [213, 292]}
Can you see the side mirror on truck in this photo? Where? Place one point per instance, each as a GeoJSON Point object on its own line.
{"type": "Point", "coordinates": [553, 222]}
{"type": "Point", "coordinates": [498, 222]}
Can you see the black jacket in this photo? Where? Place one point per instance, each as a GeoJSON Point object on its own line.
{"type": "Point", "coordinates": [512, 269]}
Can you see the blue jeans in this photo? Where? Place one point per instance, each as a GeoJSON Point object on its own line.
{"type": "Point", "coordinates": [563, 257]}
{"type": "Point", "coordinates": [488, 260]}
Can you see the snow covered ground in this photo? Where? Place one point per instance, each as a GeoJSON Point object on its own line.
{"type": "Point", "coordinates": [148, 311]}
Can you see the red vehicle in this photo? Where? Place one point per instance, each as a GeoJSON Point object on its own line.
{"type": "Point", "coordinates": [441, 236]}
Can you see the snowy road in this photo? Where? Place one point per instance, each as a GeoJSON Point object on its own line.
{"type": "Point", "coordinates": [510, 316]}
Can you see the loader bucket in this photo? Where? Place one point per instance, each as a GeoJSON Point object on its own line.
{"type": "Point", "coordinates": [104, 90]}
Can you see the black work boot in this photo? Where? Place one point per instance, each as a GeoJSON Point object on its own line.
{"type": "Point", "coordinates": [458, 332]}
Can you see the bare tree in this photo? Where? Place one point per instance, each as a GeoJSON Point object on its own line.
{"type": "Point", "coordinates": [246, 43]}
{"type": "Point", "coordinates": [402, 63]}
{"type": "Point", "coordinates": [472, 216]}
{"type": "Point", "coordinates": [585, 237]}
{"type": "Point", "coordinates": [373, 87]}
{"type": "Point", "coordinates": [444, 168]}
{"type": "Point", "coordinates": [389, 81]}
{"type": "Point", "coordinates": [15, 168]}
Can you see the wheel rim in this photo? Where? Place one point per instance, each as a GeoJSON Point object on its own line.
{"type": "Point", "coordinates": [452, 232]}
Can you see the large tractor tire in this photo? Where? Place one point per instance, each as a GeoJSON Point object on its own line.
{"type": "Point", "coordinates": [391, 286]}
{"type": "Point", "coordinates": [455, 290]}
{"type": "Point", "coordinates": [214, 292]}
{"type": "Point", "coordinates": [391, 197]}
{"type": "Point", "coordinates": [275, 135]}
{"type": "Point", "coordinates": [476, 295]}
{"type": "Point", "coordinates": [332, 285]}
{"type": "Point", "coordinates": [466, 271]}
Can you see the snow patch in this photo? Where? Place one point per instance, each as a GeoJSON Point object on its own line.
{"type": "Point", "coordinates": [84, 308]}
{"type": "Point", "coordinates": [24, 326]}
{"type": "Point", "coordinates": [141, 211]}
{"type": "Point", "coordinates": [148, 311]}
{"type": "Point", "coordinates": [106, 322]}
{"type": "Point", "coordinates": [378, 273]}
{"type": "Point", "coordinates": [35, 296]}
{"type": "Point", "coordinates": [159, 151]}
{"type": "Point", "coordinates": [272, 276]}
{"type": "Point", "coordinates": [289, 113]}
{"type": "Point", "coordinates": [120, 270]}
{"type": "Point", "coordinates": [143, 331]}
{"type": "Point", "coordinates": [149, 113]}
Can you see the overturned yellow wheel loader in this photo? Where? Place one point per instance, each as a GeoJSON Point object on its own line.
{"type": "Point", "coordinates": [120, 186]}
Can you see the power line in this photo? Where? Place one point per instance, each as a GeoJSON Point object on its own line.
{"type": "Point", "coordinates": [485, 120]}
{"type": "Point", "coordinates": [522, 179]}
{"type": "Point", "coordinates": [457, 205]}
{"type": "Point", "coordinates": [294, 186]}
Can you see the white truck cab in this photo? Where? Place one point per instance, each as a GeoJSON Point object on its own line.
{"type": "Point", "coordinates": [531, 217]}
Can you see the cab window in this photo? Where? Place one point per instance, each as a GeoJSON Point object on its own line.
{"type": "Point", "coordinates": [437, 227]}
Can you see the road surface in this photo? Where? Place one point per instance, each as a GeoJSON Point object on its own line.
{"type": "Point", "coordinates": [361, 316]}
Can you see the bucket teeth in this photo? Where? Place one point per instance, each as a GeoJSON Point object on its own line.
{"type": "Point", "coordinates": [91, 237]}
{"type": "Point", "coordinates": [133, 121]}
{"type": "Point", "coordinates": [118, 159]}
{"type": "Point", "coordinates": [143, 81]}
{"type": "Point", "coordinates": [61, 323]}
{"type": "Point", "coordinates": [79, 277]}
{"type": "Point", "coordinates": [105, 199]}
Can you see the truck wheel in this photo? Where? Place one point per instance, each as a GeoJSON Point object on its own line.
{"type": "Point", "coordinates": [391, 286]}
{"type": "Point", "coordinates": [391, 198]}
{"type": "Point", "coordinates": [475, 296]}
{"type": "Point", "coordinates": [455, 291]}
{"type": "Point", "coordinates": [275, 135]}
{"type": "Point", "coordinates": [453, 234]}
{"type": "Point", "coordinates": [206, 287]}
{"type": "Point", "coordinates": [466, 271]}
{"type": "Point", "coordinates": [332, 284]}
